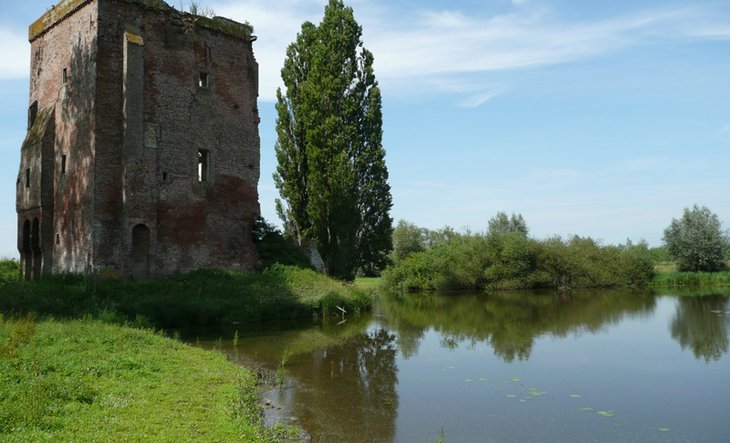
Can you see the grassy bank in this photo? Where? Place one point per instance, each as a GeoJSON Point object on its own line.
{"type": "Point", "coordinates": [83, 380]}
{"type": "Point", "coordinates": [202, 298]}
{"type": "Point", "coordinates": [692, 279]}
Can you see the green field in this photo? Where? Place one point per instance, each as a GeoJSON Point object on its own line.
{"type": "Point", "coordinates": [83, 380]}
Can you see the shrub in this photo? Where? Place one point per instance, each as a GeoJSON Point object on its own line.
{"type": "Point", "coordinates": [9, 270]}
{"type": "Point", "coordinates": [511, 260]}
{"type": "Point", "coordinates": [274, 247]}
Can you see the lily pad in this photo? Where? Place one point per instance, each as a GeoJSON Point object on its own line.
{"type": "Point", "coordinates": [482, 379]}
{"type": "Point", "coordinates": [511, 396]}
{"type": "Point", "coordinates": [585, 409]}
{"type": "Point", "coordinates": [468, 380]}
{"type": "Point", "coordinates": [515, 379]}
{"type": "Point", "coordinates": [575, 396]}
{"type": "Point", "coordinates": [606, 413]}
{"type": "Point", "coordinates": [663, 429]}
{"type": "Point", "coordinates": [536, 393]}
{"type": "Point", "coordinates": [522, 400]}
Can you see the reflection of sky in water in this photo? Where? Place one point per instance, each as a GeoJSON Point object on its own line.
{"type": "Point", "coordinates": [475, 366]}
{"type": "Point", "coordinates": [634, 369]}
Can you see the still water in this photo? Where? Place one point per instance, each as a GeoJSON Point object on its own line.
{"type": "Point", "coordinates": [604, 366]}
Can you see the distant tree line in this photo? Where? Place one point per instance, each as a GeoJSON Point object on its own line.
{"type": "Point", "coordinates": [505, 256]}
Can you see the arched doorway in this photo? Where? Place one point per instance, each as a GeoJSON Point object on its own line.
{"type": "Point", "coordinates": [27, 255]}
{"type": "Point", "coordinates": [35, 245]}
{"type": "Point", "coordinates": [140, 265]}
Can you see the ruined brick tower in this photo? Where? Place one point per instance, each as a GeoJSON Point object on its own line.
{"type": "Point", "coordinates": [142, 153]}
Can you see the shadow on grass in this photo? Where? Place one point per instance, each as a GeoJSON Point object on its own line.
{"type": "Point", "coordinates": [202, 298]}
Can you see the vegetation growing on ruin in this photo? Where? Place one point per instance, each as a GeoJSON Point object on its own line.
{"type": "Point", "coordinates": [83, 380]}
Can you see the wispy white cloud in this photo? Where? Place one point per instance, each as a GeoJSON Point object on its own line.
{"type": "Point", "coordinates": [426, 51]}
{"type": "Point", "coordinates": [14, 53]}
{"type": "Point", "coordinates": [479, 98]}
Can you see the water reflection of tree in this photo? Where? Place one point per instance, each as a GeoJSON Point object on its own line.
{"type": "Point", "coordinates": [351, 390]}
{"type": "Point", "coordinates": [510, 321]}
{"type": "Point", "coordinates": [697, 327]}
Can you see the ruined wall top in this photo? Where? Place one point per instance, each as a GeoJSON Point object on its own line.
{"type": "Point", "coordinates": [65, 8]}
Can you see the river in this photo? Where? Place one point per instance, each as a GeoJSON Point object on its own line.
{"type": "Point", "coordinates": [603, 366]}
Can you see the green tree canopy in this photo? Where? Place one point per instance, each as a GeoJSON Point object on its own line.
{"type": "Point", "coordinates": [696, 241]}
{"type": "Point", "coordinates": [331, 171]}
{"type": "Point", "coordinates": [502, 224]}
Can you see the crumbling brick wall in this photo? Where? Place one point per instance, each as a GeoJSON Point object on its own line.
{"type": "Point", "coordinates": [156, 151]}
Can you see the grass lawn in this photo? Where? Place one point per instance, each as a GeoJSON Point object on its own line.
{"type": "Point", "coordinates": [368, 282]}
{"type": "Point", "coordinates": [84, 380]}
{"type": "Point", "coordinates": [71, 370]}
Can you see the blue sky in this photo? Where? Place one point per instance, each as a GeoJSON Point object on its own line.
{"type": "Point", "coordinates": [593, 118]}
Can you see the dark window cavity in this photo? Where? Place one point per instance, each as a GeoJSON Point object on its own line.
{"type": "Point", "coordinates": [204, 80]}
{"type": "Point", "coordinates": [27, 177]}
{"type": "Point", "coordinates": [63, 165]}
{"type": "Point", "coordinates": [64, 76]}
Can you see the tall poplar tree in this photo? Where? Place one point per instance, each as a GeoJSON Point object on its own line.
{"type": "Point", "coordinates": [331, 171]}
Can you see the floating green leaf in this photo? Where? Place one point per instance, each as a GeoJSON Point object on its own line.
{"type": "Point", "coordinates": [663, 429]}
{"type": "Point", "coordinates": [511, 396]}
{"type": "Point", "coordinates": [575, 396]}
{"type": "Point", "coordinates": [482, 379]}
{"type": "Point", "coordinates": [515, 379]}
{"type": "Point", "coordinates": [605, 413]}
{"type": "Point", "coordinates": [585, 409]}
{"type": "Point", "coordinates": [468, 380]}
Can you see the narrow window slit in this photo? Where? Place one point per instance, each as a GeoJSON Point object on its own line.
{"type": "Point", "coordinates": [203, 165]}
{"type": "Point", "coordinates": [203, 80]}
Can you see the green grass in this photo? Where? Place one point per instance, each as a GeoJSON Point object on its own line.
{"type": "Point", "coordinates": [664, 267]}
{"type": "Point", "coordinates": [368, 282]}
{"type": "Point", "coordinates": [666, 275]}
{"type": "Point", "coordinates": [83, 380]}
{"type": "Point", "coordinates": [693, 279]}
{"type": "Point", "coordinates": [202, 298]}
